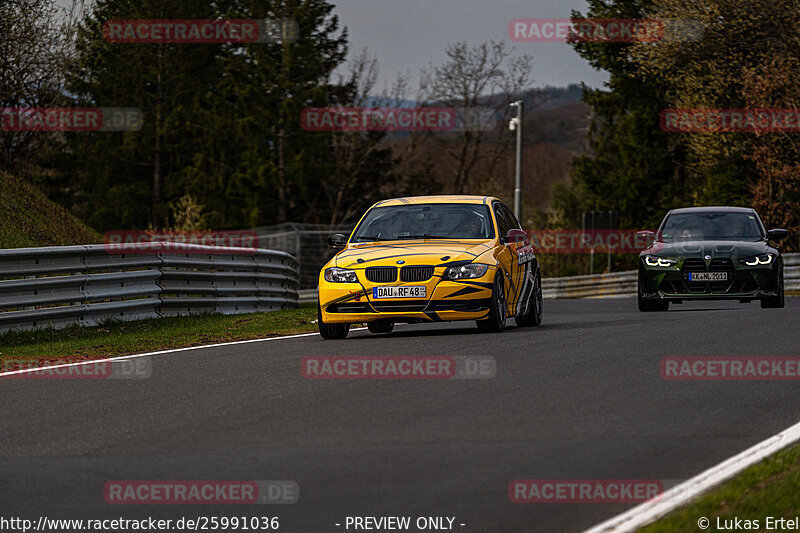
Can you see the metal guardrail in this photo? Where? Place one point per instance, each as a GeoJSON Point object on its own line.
{"type": "Point", "coordinates": [62, 285]}
{"type": "Point", "coordinates": [616, 284]}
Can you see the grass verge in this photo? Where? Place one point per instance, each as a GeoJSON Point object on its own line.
{"type": "Point", "coordinates": [113, 339]}
{"type": "Point", "coordinates": [770, 488]}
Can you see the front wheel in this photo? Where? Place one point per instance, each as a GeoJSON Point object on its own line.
{"type": "Point", "coordinates": [331, 331]}
{"type": "Point", "coordinates": [533, 312]}
{"type": "Point", "coordinates": [777, 301]}
{"type": "Point", "coordinates": [496, 321]}
{"type": "Point", "coordinates": [649, 305]}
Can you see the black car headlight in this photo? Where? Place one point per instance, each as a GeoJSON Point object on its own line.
{"type": "Point", "coordinates": [340, 275]}
{"type": "Point", "coordinates": [653, 261]}
{"type": "Point", "coordinates": [763, 259]}
{"type": "Point", "coordinates": [472, 270]}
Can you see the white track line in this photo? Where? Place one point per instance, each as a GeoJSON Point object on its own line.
{"type": "Point", "coordinates": [652, 510]}
{"type": "Point", "coordinates": [148, 354]}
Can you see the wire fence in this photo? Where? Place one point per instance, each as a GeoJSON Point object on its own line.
{"type": "Point", "coordinates": [308, 243]}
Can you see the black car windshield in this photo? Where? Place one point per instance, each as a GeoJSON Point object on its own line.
{"type": "Point", "coordinates": [711, 225]}
{"type": "Point", "coordinates": [420, 221]}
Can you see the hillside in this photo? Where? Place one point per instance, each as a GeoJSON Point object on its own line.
{"type": "Point", "coordinates": [554, 132]}
{"type": "Point", "coordinates": [29, 218]}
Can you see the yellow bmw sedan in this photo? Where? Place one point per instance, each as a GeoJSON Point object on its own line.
{"type": "Point", "coordinates": [431, 259]}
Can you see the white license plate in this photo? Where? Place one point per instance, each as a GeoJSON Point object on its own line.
{"type": "Point", "coordinates": [708, 276]}
{"type": "Point", "coordinates": [399, 292]}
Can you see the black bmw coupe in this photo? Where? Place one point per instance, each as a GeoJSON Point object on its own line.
{"type": "Point", "coordinates": [710, 253]}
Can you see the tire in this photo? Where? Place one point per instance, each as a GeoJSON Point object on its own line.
{"type": "Point", "coordinates": [496, 321]}
{"type": "Point", "coordinates": [533, 312]}
{"type": "Point", "coordinates": [380, 326]}
{"type": "Point", "coordinates": [647, 306]}
{"type": "Point", "coordinates": [331, 331]}
{"type": "Point", "coordinates": [775, 302]}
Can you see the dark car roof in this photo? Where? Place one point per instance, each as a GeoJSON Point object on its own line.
{"type": "Point", "coordinates": [712, 209]}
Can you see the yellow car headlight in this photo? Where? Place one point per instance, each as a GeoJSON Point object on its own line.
{"type": "Point", "coordinates": [340, 275]}
{"type": "Point", "coordinates": [472, 270]}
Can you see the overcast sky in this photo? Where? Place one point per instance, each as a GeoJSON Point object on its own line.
{"type": "Point", "coordinates": [405, 35]}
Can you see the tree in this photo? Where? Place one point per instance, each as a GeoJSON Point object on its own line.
{"type": "Point", "coordinates": [747, 58]}
{"type": "Point", "coordinates": [636, 168]}
{"type": "Point", "coordinates": [465, 82]}
{"type": "Point", "coordinates": [34, 50]}
{"type": "Point", "coordinates": [222, 121]}
{"type": "Point", "coordinates": [126, 176]}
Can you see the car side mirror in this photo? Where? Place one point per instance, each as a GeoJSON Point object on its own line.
{"type": "Point", "coordinates": [647, 236]}
{"type": "Point", "coordinates": [337, 241]}
{"type": "Point", "coordinates": [516, 236]}
{"type": "Point", "coordinates": [777, 234]}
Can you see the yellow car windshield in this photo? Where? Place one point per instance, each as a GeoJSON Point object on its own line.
{"type": "Point", "coordinates": [425, 221]}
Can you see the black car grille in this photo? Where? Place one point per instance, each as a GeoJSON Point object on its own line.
{"type": "Point", "coordinates": [416, 273]}
{"type": "Point", "coordinates": [381, 274]}
{"type": "Point", "coordinates": [411, 306]}
{"type": "Point", "coordinates": [716, 265]}
{"type": "Point", "coordinates": [350, 307]}
{"type": "Point", "coordinates": [702, 287]}
{"type": "Point", "coordinates": [405, 306]}
{"type": "Point", "coordinates": [721, 265]}
{"type": "Point", "coordinates": [694, 265]}
{"type": "Point", "coordinates": [461, 305]}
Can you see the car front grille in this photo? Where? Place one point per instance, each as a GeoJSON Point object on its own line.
{"type": "Point", "coordinates": [381, 274]}
{"type": "Point", "coordinates": [397, 306]}
{"type": "Point", "coordinates": [694, 265]}
{"type": "Point", "coordinates": [722, 265]}
{"type": "Point", "coordinates": [461, 305]}
{"type": "Point", "coordinates": [411, 306]}
{"type": "Point", "coordinates": [350, 307]}
{"type": "Point", "coordinates": [416, 273]}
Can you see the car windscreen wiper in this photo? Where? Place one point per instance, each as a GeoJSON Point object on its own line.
{"type": "Point", "coordinates": [423, 236]}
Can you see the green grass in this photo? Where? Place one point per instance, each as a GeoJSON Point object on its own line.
{"type": "Point", "coordinates": [769, 488]}
{"type": "Point", "coordinates": [28, 218]}
{"type": "Point", "coordinates": [122, 338]}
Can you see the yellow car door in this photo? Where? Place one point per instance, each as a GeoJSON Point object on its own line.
{"type": "Point", "coordinates": [513, 272]}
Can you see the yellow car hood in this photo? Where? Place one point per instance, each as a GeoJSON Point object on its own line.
{"type": "Point", "coordinates": [432, 252]}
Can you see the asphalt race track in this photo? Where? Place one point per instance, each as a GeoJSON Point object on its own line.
{"type": "Point", "coordinates": [581, 397]}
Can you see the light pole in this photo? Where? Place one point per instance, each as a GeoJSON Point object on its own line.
{"type": "Point", "coordinates": [516, 124]}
